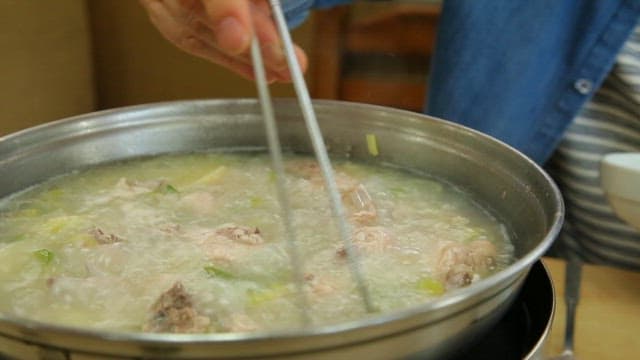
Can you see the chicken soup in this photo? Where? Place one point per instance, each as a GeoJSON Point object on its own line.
{"type": "Point", "coordinates": [195, 244]}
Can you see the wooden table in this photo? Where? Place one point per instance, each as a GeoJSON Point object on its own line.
{"type": "Point", "coordinates": [608, 315]}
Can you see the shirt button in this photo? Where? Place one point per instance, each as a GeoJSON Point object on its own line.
{"type": "Point", "coordinates": [584, 86]}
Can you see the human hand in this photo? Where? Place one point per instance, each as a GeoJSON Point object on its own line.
{"type": "Point", "coordinates": [221, 31]}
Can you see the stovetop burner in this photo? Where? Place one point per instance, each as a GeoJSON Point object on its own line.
{"type": "Point", "coordinates": [519, 332]}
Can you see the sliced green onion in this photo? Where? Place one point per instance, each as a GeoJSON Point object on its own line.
{"type": "Point", "coordinates": [217, 272]}
{"type": "Point", "coordinates": [261, 296]}
{"type": "Point", "coordinates": [372, 144]}
{"type": "Point", "coordinates": [256, 201]}
{"type": "Point", "coordinates": [431, 286]}
{"type": "Point", "coordinates": [272, 176]}
{"type": "Point", "coordinates": [169, 189]}
{"type": "Point", "coordinates": [397, 190]}
{"type": "Point", "coordinates": [44, 255]}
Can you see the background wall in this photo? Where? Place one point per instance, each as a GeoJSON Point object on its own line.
{"type": "Point", "coordinates": [45, 62]}
{"type": "Point", "coordinates": [66, 57]}
{"type": "Point", "coordinates": [134, 64]}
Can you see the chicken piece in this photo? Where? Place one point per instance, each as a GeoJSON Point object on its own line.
{"type": "Point", "coordinates": [227, 243]}
{"type": "Point", "coordinates": [369, 240]}
{"type": "Point", "coordinates": [306, 168]}
{"type": "Point", "coordinates": [174, 312]}
{"type": "Point", "coordinates": [459, 275]}
{"type": "Point", "coordinates": [483, 253]}
{"type": "Point", "coordinates": [318, 287]}
{"type": "Point", "coordinates": [359, 202]}
{"type": "Point", "coordinates": [220, 253]}
{"type": "Point", "coordinates": [103, 238]}
{"type": "Point", "coordinates": [200, 202]}
{"type": "Point", "coordinates": [242, 234]}
{"type": "Point", "coordinates": [459, 264]}
{"type": "Point", "coordinates": [216, 248]}
{"type": "Point", "coordinates": [364, 217]}
{"type": "Point", "coordinates": [310, 170]}
{"type": "Point", "coordinates": [169, 229]}
{"type": "Point", "coordinates": [372, 239]}
{"type": "Point", "coordinates": [345, 183]}
{"type": "Point", "coordinates": [106, 259]}
{"type": "Point", "coordinates": [354, 194]}
{"type": "Point", "coordinates": [127, 187]}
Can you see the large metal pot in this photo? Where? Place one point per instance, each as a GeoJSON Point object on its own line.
{"type": "Point", "coordinates": [517, 191]}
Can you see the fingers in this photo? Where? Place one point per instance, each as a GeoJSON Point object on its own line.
{"type": "Point", "coordinates": [234, 22]}
{"type": "Point", "coordinates": [221, 31]}
{"type": "Point", "coordinates": [165, 21]}
{"type": "Point", "coordinates": [302, 61]}
{"type": "Point", "coordinates": [271, 44]}
{"type": "Point", "coordinates": [231, 23]}
{"type": "Point", "coordinates": [199, 48]}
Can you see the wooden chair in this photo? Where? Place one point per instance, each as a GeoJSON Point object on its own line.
{"type": "Point", "coordinates": [374, 53]}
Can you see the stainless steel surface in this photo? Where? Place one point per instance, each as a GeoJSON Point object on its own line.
{"type": "Point", "coordinates": [573, 277]}
{"type": "Point", "coordinates": [319, 148]}
{"type": "Point", "coordinates": [275, 151]}
{"type": "Point", "coordinates": [514, 189]}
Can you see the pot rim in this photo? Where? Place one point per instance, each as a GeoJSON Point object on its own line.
{"type": "Point", "coordinates": [500, 279]}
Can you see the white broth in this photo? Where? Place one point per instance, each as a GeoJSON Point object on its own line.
{"type": "Point", "coordinates": [195, 243]}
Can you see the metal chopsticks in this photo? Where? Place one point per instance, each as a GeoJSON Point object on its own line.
{"type": "Point", "coordinates": [322, 157]}
{"type": "Point", "coordinates": [278, 168]}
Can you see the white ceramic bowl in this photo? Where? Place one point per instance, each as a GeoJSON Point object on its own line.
{"type": "Point", "coordinates": [620, 177]}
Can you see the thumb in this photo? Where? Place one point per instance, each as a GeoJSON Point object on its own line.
{"type": "Point", "coordinates": [231, 24]}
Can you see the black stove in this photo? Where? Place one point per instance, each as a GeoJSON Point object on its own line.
{"type": "Point", "coordinates": [517, 334]}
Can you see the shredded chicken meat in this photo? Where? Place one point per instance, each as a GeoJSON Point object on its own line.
{"type": "Point", "coordinates": [174, 312]}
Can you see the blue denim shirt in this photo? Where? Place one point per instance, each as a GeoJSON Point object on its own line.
{"type": "Point", "coordinates": [518, 70]}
